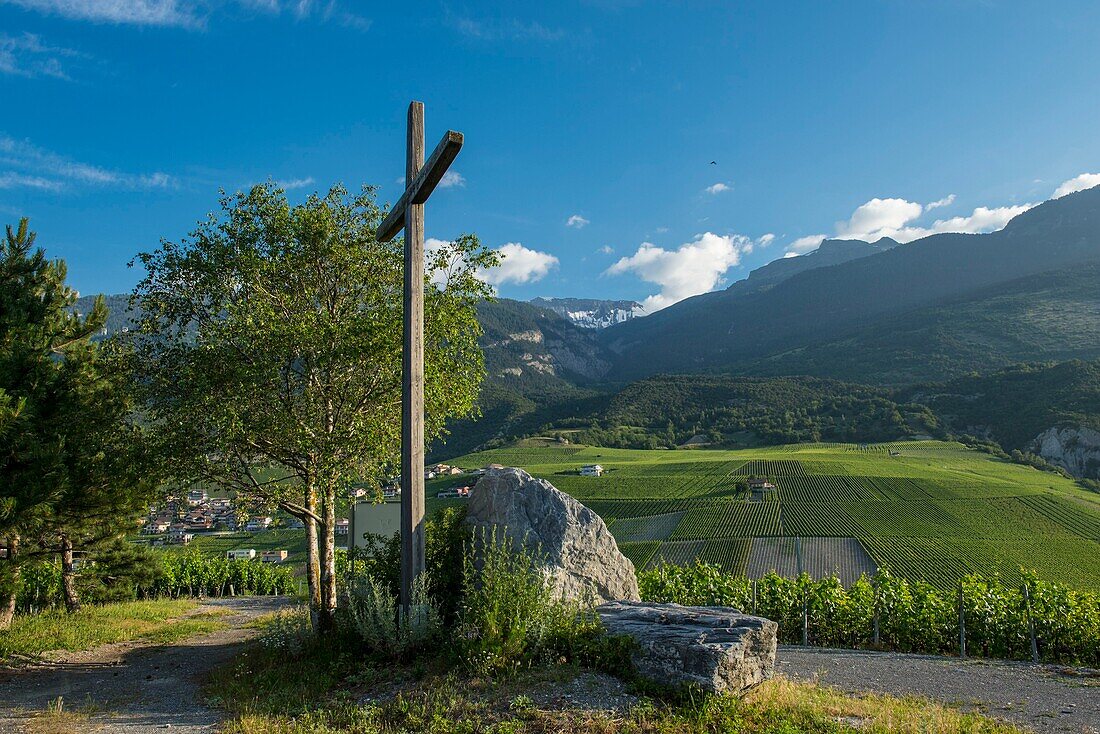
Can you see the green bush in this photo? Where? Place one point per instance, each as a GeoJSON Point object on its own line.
{"type": "Point", "coordinates": [113, 572]}
{"type": "Point", "coordinates": [912, 617]}
{"type": "Point", "coordinates": [445, 537]}
{"type": "Point", "coordinates": [288, 631]}
{"type": "Point", "coordinates": [510, 617]}
{"type": "Point", "coordinates": [372, 610]}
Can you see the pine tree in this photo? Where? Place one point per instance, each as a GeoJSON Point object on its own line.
{"type": "Point", "coordinates": [70, 462]}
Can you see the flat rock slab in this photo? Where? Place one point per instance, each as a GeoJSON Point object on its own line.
{"type": "Point", "coordinates": [718, 649]}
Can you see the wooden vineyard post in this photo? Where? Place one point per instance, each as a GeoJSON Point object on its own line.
{"type": "Point", "coordinates": [962, 624]}
{"type": "Point", "coordinates": [1031, 626]}
{"type": "Point", "coordinates": [408, 213]}
{"type": "Point", "coordinates": [754, 597]}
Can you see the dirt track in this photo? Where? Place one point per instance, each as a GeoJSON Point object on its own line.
{"type": "Point", "coordinates": [1039, 697]}
{"type": "Point", "coordinates": [134, 687]}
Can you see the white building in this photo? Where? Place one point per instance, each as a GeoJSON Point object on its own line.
{"type": "Point", "coordinates": [241, 554]}
{"type": "Point", "coordinates": [591, 470]}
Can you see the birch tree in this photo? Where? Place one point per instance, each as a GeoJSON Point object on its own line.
{"type": "Point", "coordinates": [269, 348]}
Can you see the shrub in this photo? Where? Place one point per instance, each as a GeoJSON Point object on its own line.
{"type": "Point", "coordinates": [288, 631]}
{"type": "Point", "coordinates": [510, 616]}
{"type": "Point", "coordinates": [375, 618]}
{"type": "Point", "coordinates": [445, 539]}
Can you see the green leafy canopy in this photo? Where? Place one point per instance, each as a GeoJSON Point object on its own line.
{"type": "Point", "coordinates": [271, 338]}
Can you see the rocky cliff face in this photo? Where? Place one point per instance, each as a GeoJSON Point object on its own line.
{"type": "Point", "coordinates": [1074, 448]}
{"type": "Point", "coordinates": [591, 313]}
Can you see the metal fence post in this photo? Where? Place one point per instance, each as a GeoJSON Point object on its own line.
{"type": "Point", "coordinates": [805, 621]}
{"type": "Point", "coordinates": [1031, 626]}
{"type": "Point", "coordinates": [962, 624]}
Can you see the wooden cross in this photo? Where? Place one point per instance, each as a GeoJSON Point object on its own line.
{"type": "Point", "coordinates": [408, 213]}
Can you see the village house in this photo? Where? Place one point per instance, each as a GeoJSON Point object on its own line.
{"type": "Point", "coordinates": [257, 524]}
{"type": "Point", "coordinates": [179, 534]}
{"type": "Point", "coordinates": [342, 526]}
{"type": "Point", "coordinates": [591, 470]}
{"type": "Point", "coordinates": [196, 497]}
{"type": "Point", "coordinates": [273, 556]}
{"type": "Point", "coordinates": [156, 527]}
{"type": "Point", "coordinates": [241, 554]}
{"type": "Point", "coordinates": [759, 487]}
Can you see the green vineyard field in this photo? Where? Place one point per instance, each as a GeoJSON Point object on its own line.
{"type": "Point", "coordinates": [930, 511]}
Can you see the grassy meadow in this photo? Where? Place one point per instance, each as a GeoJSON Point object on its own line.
{"type": "Point", "coordinates": [929, 510]}
{"type": "Point", "coordinates": [161, 621]}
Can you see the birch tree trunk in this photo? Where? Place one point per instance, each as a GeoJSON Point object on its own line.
{"type": "Point", "coordinates": [328, 559]}
{"type": "Point", "coordinates": [313, 562]}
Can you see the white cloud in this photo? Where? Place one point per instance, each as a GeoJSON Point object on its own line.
{"type": "Point", "coordinates": [12, 180]}
{"type": "Point", "coordinates": [22, 158]}
{"type": "Point", "coordinates": [519, 264]}
{"type": "Point", "coordinates": [765, 239]}
{"type": "Point", "coordinates": [296, 183]}
{"type": "Point", "coordinates": [803, 245]}
{"type": "Point", "coordinates": [129, 12]}
{"type": "Point", "coordinates": [576, 221]}
{"type": "Point", "coordinates": [510, 29]}
{"type": "Point", "coordinates": [28, 56]}
{"type": "Point", "coordinates": [189, 14]}
{"type": "Point", "coordinates": [717, 188]}
{"type": "Point", "coordinates": [1077, 183]}
{"type": "Point", "coordinates": [452, 179]}
{"type": "Point", "coordinates": [695, 267]}
{"type": "Point", "coordinates": [945, 201]}
{"type": "Point", "coordinates": [982, 219]}
{"type": "Point", "coordinates": [879, 215]}
{"type": "Point", "coordinates": [895, 218]}
{"type": "Point", "coordinates": [606, 250]}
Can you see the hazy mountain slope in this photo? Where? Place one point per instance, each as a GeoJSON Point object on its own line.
{"type": "Point", "coordinates": [1046, 317]}
{"type": "Point", "coordinates": [118, 311]}
{"type": "Point", "coordinates": [726, 330]}
{"type": "Point", "coordinates": [830, 252]}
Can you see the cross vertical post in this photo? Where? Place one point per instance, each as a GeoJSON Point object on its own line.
{"type": "Point", "coordinates": [421, 178]}
{"type": "Point", "coordinates": [412, 379]}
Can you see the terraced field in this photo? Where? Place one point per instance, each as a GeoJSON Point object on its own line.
{"type": "Point", "coordinates": [931, 511]}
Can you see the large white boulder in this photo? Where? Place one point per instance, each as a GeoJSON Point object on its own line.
{"type": "Point", "coordinates": [572, 542]}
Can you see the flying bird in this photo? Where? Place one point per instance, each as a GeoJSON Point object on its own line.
{"type": "Point", "coordinates": [714, 163]}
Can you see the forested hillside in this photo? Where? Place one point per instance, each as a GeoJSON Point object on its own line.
{"type": "Point", "coordinates": [746, 411]}
{"type": "Point", "coordinates": [1014, 406]}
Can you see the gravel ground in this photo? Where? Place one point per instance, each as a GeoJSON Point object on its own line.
{"type": "Point", "coordinates": [1044, 698]}
{"type": "Point", "coordinates": [134, 687]}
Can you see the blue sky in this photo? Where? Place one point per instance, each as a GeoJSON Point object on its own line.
{"type": "Point", "coordinates": [590, 126]}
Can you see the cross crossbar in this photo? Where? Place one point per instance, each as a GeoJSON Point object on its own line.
{"type": "Point", "coordinates": [419, 189]}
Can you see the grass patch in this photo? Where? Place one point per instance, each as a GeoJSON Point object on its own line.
{"type": "Point", "coordinates": [266, 692]}
{"type": "Point", "coordinates": [61, 718]}
{"type": "Point", "coordinates": [161, 621]}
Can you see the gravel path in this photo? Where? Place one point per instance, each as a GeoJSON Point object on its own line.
{"type": "Point", "coordinates": [1044, 698]}
{"type": "Point", "coordinates": [134, 687]}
